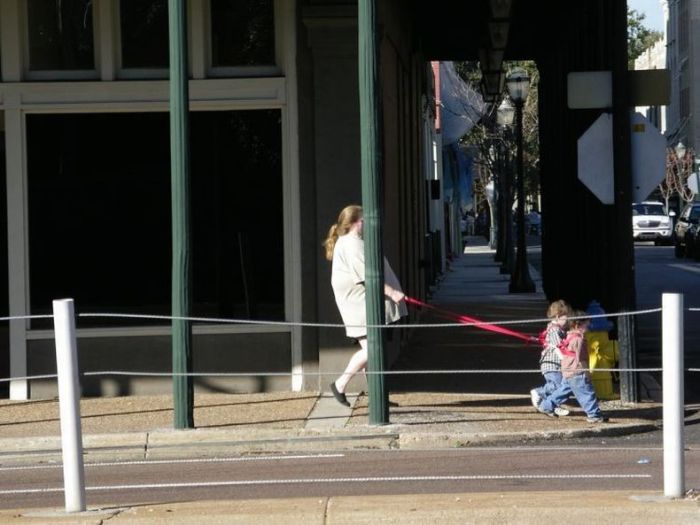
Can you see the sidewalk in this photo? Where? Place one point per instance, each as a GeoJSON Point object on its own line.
{"type": "Point", "coordinates": [523, 508]}
{"type": "Point", "coordinates": [434, 411]}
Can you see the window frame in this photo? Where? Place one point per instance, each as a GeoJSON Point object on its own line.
{"type": "Point", "coordinates": [205, 105]}
{"type": "Point", "coordinates": [59, 74]}
{"type": "Point", "coordinates": [135, 73]}
{"type": "Point", "coordinates": [200, 48]}
{"type": "Point", "coordinates": [242, 71]}
{"type": "Point", "coordinates": [70, 93]}
{"type": "Point", "coordinates": [206, 95]}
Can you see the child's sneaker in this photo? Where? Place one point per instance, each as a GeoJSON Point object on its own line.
{"type": "Point", "coordinates": [535, 397]}
{"type": "Point", "coordinates": [543, 411]}
{"type": "Point", "coordinates": [561, 412]}
{"type": "Point", "coordinates": [597, 419]}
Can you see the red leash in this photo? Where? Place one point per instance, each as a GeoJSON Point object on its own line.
{"type": "Point", "coordinates": [471, 320]}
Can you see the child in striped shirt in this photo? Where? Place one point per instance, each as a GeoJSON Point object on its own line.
{"type": "Point", "coordinates": [576, 378]}
{"type": "Point", "coordinates": [550, 358]}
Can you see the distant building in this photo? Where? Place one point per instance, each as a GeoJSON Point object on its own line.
{"type": "Point", "coordinates": [654, 58]}
{"type": "Point", "coordinates": [683, 60]}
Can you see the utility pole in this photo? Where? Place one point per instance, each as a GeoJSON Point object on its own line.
{"type": "Point", "coordinates": [372, 209]}
{"type": "Point", "coordinates": [183, 392]}
{"type": "Point", "coordinates": [624, 282]}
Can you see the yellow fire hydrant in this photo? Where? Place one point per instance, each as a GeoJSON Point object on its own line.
{"type": "Point", "coordinates": [602, 353]}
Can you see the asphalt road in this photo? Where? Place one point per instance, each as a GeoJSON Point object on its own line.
{"type": "Point", "coordinates": [486, 469]}
{"type": "Point", "coordinates": [658, 272]}
{"type": "Point", "coordinates": [625, 463]}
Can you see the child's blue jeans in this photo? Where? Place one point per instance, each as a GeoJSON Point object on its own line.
{"type": "Point", "coordinates": [580, 385]}
{"type": "Point", "coordinates": [552, 382]}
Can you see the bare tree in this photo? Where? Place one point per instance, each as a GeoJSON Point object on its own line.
{"type": "Point", "coordinates": [676, 180]}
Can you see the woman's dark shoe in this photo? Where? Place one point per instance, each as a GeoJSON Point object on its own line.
{"type": "Point", "coordinates": [339, 396]}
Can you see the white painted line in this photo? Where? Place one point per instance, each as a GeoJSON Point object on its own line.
{"type": "Point", "coordinates": [686, 267]}
{"type": "Point", "coordinates": [331, 480]}
{"type": "Point", "coordinates": [178, 461]}
{"type": "Point", "coordinates": [543, 448]}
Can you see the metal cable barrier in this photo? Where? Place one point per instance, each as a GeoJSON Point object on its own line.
{"type": "Point", "coordinates": [65, 335]}
{"type": "Point", "coordinates": [402, 326]}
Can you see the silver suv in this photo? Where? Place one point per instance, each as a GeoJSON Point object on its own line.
{"type": "Point", "coordinates": [650, 222]}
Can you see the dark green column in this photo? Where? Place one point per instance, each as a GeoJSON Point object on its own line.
{"type": "Point", "coordinates": [183, 394]}
{"type": "Point", "coordinates": [372, 208]}
{"type": "Point", "coordinates": [623, 245]}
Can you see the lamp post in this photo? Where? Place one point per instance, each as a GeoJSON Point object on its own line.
{"type": "Point", "coordinates": [504, 118]}
{"type": "Point", "coordinates": [490, 191]}
{"type": "Point", "coordinates": [518, 82]}
{"type": "Point", "coordinates": [680, 150]}
{"type": "Point", "coordinates": [687, 187]}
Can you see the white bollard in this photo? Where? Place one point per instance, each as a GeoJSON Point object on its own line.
{"type": "Point", "coordinates": [69, 403]}
{"type": "Point", "coordinates": [673, 397]}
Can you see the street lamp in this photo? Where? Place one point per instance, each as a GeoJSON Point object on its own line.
{"type": "Point", "coordinates": [518, 82]}
{"type": "Point", "coordinates": [490, 192]}
{"type": "Point", "coordinates": [684, 162]}
{"type": "Point", "coordinates": [505, 114]}
{"type": "Point", "coordinates": [504, 118]}
{"type": "Point", "coordinates": [681, 150]}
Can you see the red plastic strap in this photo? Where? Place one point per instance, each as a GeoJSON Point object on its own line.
{"type": "Point", "coordinates": [471, 320]}
{"type": "Point", "coordinates": [564, 345]}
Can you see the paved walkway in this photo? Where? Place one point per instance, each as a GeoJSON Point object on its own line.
{"type": "Point", "coordinates": [523, 508]}
{"type": "Point", "coordinates": [433, 411]}
{"type": "Point", "coordinates": [453, 409]}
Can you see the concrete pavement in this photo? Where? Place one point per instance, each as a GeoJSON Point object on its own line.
{"type": "Point", "coordinates": [476, 403]}
{"type": "Point", "coordinates": [140, 427]}
{"type": "Point", "coordinates": [531, 508]}
{"type": "Point", "coordinates": [433, 411]}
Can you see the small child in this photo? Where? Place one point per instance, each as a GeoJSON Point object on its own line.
{"type": "Point", "coordinates": [576, 378]}
{"type": "Point", "coordinates": [550, 359]}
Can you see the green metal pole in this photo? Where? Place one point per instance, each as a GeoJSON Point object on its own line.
{"type": "Point", "coordinates": [183, 393]}
{"type": "Point", "coordinates": [623, 246]}
{"type": "Point", "coordinates": [520, 280]}
{"type": "Point", "coordinates": [372, 211]}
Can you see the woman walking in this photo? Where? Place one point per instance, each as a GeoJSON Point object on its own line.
{"type": "Point", "coordinates": [346, 249]}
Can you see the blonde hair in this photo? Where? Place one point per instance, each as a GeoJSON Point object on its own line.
{"type": "Point", "coordinates": [558, 308]}
{"type": "Point", "coordinates": [347, 217]}
{"type": "Point", "coordinates": [578, 323]}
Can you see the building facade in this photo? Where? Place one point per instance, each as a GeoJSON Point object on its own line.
{"type": "Point", "coordinates": [654, 58]}
{"type": "Point", "coordinates": [683, 60]}
{"type": "Point", "coordinates": [274, 156]}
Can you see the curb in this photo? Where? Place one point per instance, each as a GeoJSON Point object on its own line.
{"type": "Point", "coordinates": [460, 440]}
{"type": "Point", "coordinates": [194, 443]}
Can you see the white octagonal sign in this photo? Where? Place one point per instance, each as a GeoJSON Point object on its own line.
{"type": "Point", "coordinates": [648, 157]}
{"type": "Point", "coordinates": [595, 159]}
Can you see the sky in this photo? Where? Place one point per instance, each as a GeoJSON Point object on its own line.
{"type": "Point", "coordinates": [652, 9]}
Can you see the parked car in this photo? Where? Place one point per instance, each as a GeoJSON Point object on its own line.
{"type": "Point", "coordinates": [692, 236]}
{"type": "Point", "coordinates": [686, 230]}
{"type": "Point", "coordinates": [650, 222]}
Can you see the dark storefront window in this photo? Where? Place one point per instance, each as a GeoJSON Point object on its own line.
{"type": "Point", "coordinates": [99, 213]}
{"type": "Point", "coordinates": [242, 33]}
{"type": "Point", "coordinates": [60, 35]}
{"type": "Point", "coordinates": [144, 33]}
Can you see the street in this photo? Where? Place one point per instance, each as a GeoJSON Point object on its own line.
{"type": "Point", "coordinates": [534, 464]}
{"type": "Point", "coordinates": [657, 272]}
{"type": "Point", "coordinates": [486, 469]}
